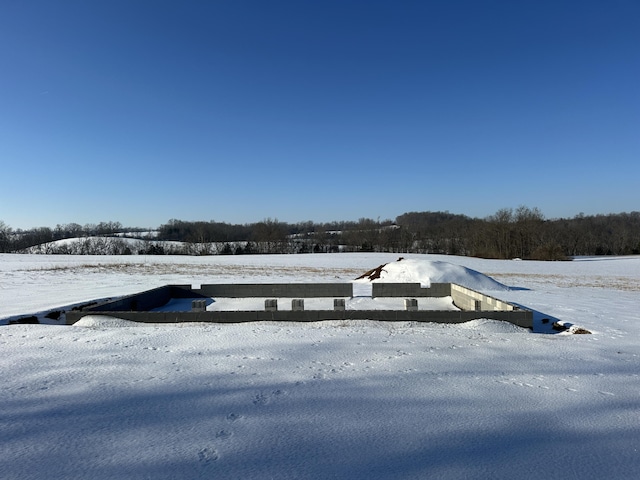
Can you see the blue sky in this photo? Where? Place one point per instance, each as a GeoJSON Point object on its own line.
{"type": "Point", "coordinates": [236, 111]}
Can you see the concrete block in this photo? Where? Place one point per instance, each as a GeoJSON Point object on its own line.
{"type": "Point", "coordinates": [339, 304]}
{"type": "Point", "coordinates": [411, 304]}
{"type": "Point", "coordinates": [297, 304]}
{"type": "Point", "coordinates": [199, 305]}
{"type": "Point", "coordinates": [271, 305]}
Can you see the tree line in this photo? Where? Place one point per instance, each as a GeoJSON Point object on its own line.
{"type": "Point", "coordinates": [509, 233]}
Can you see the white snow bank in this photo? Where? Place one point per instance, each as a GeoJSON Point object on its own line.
{"type": "Point", "coordinates": [426, 272]}
{"type": "Point", "coordinates": [491, 326]}
{"type": "Point", "coordinates": [105, 321]}
{"type": "Point", "coordinates": [479, 326]}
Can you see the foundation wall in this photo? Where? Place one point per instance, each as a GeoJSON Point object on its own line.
{"type": "Point", "coordinates": [147, 300]}
{"type": "Point", "coordinates": [302, 290]}
{"type": "Point", "coordinates": [410, 290]}
{"type": "Point", "coordinates": [473, 304]}
{"type": "Point", "coordinates": [523, 318]}
{"type": "Point", "coordinates": [468, 299]}
{"type": "Point", "coordinates": [463, 297]}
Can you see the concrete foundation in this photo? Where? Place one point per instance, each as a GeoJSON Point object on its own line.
{"type": "Point", "coordinates": [472, 304]}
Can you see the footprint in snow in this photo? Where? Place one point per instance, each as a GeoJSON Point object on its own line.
{"type": "Point", "coordinates": [260, 399]}
{"type": "Point", "coordinates": [264, 398]}
{"type": "Point", "coordinates": [207, 455]}
{"type": "Point", "coordinates": [232, 417]}
{"type": "Point", "coordinates": [224, 434]}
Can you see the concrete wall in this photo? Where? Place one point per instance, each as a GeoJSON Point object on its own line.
{"type": "Point", "coordinates": [298, 290]}
{"type": "Point", "coordinates": [522, 318]}
{"type": "Point", "coordinates": [410, 290]}
{"type": "Point", "coordinates": [143, 301]}
{"type": "Point", "coordinates": [468, 299]}
{"type": "Point", "coordinates": [463, 297]}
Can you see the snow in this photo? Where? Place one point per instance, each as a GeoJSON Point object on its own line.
{"type": "Point", "coordinates": [427, 272]}
{"type": "Point", "coordinates": [108, 399]}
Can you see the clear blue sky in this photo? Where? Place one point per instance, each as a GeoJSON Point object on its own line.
{"type": "Point", "coordinates": [236, 111]}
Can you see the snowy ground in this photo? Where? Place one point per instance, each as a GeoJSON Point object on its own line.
{"type": "Point", "coordinates": [352, 400]}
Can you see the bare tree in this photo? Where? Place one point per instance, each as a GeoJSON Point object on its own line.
{"type": "Point", "coordinates": [5, 237]}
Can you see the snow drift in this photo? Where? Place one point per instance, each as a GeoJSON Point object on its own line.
{"type": "Point", "coordinates": [426, 272]}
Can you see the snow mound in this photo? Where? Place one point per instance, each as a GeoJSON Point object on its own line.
{"type": "Point", "coordinates": [491, 326]}
{"type": "Point", "coordinates": [426, 272]}
{"type": "Point", "coordinates": [104, 321]}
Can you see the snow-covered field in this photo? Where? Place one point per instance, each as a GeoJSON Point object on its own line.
{"type": "Point", "coordinates": [352, 400]}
